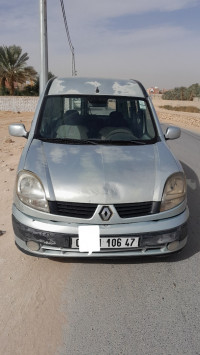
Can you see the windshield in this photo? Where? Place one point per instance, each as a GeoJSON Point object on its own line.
{"type": "Point", "coordinates": [95, 118]}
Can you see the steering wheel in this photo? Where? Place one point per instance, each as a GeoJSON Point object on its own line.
{"type": "Point", "coordinates": [121, 133]}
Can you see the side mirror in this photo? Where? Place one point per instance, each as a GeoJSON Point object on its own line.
{"type": "Point", "coordinates": [18, 130]}
{"type": "Point", "coordinates": [172, 132]}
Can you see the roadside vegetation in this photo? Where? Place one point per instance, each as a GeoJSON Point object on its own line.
{"type": "Point", "coordinates": [183, 93]}
{"type": "Point", "coordinates": [192, 109]}
{"type": "Point", "coordinates": [16, 77]}
{"type": "Point", "coordinates": [32, 90]}
{"type": "Point", "coordinates": [14, 68]}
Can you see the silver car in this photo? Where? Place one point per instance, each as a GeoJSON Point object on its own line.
{"type": "Point", "coordinates": [96, 177]}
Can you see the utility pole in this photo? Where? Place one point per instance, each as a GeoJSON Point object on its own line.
{"type": "Point", "coordinates": [43, 45]}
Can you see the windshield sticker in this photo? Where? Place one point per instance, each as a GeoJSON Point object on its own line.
{"type": "Point", "coordinates": [142, 105]}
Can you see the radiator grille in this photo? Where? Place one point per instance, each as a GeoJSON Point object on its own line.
{"type": "Point", "coordinates": [72, 209]}
{"type": "Point", "coordinates": [128, 210]}
{"type": "Point", "coordinates": [87, 210]}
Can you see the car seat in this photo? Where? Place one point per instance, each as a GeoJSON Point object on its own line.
{"type": "Point", "coordinates": [72, 127]}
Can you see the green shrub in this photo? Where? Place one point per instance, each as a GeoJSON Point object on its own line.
{"type": "Point", "coordinates": [183, 93]}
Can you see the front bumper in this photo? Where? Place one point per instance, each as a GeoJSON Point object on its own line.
{"type": "Point", "coordinates": [54, 238]}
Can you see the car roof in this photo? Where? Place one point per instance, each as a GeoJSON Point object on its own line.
{"type": "Point", "coordinates": [96, 86]}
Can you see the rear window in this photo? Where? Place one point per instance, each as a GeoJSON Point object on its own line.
{"type": "Point", "coordinates": [99, 118]}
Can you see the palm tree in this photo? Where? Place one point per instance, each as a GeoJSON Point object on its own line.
{"type": "Point", "coordinates": [13, 67]}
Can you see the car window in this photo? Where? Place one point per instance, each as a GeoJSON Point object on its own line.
{"type": "Point", "coordinates": [96, 117]}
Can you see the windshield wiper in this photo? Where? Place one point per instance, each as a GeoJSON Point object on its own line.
{"type": "Point", "coordinates": [123, 142]}
{"type": "Point", "coordinates": [68, 141]}
{"type": "Point", "coordinates": [135, 141]}
{"type": "Point", "coordinates": [93, 141]}
{"type": "Point", "coordinates": [89, 141]}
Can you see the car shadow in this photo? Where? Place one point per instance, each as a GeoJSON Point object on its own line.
{"type": "Point", "coordinates": [193, 196]}
{"type": "Point", "coordinates": [192, 247]}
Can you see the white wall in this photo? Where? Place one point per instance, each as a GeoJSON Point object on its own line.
{"type": "Point", "coordinates": [18, 103]}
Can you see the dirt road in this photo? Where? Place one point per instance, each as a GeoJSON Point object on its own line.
{"type": "Point", "coordinates": [30, 288]}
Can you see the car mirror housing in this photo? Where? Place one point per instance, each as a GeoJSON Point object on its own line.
{"type": "Point", "coordinates": [172, 132]}
{"type": "Point", "coordinates": [18, 130]}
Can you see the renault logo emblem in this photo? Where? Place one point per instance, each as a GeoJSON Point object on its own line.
{"type": "Point", "coordinates": [105, 213]}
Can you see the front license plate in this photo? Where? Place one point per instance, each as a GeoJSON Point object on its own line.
{"type": "Point", "coordinates": [112, 243]}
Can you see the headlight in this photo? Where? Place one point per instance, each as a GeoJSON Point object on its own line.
{"type": "Point", "coordinates": [174, 192]}
{"type": "Point", "coordinates": [31, 192]}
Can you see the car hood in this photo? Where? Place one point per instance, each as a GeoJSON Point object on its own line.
{"type": "Point", "coordinates": [102, 174]}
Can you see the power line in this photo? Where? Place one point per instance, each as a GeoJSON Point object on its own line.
{"type": "Point", "coordinates": [74, 73]}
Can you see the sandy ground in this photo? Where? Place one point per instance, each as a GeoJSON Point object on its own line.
{"type": "Point", "coordinates": [190, 121]}
{"type": "Point", "coordinates": [31, 317]}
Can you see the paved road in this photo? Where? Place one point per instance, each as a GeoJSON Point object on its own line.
{"type": "Point", "coordinates": [141, 306]}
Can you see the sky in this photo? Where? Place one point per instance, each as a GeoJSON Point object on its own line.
{"type": "Point", "coordinates": [154, 41]}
